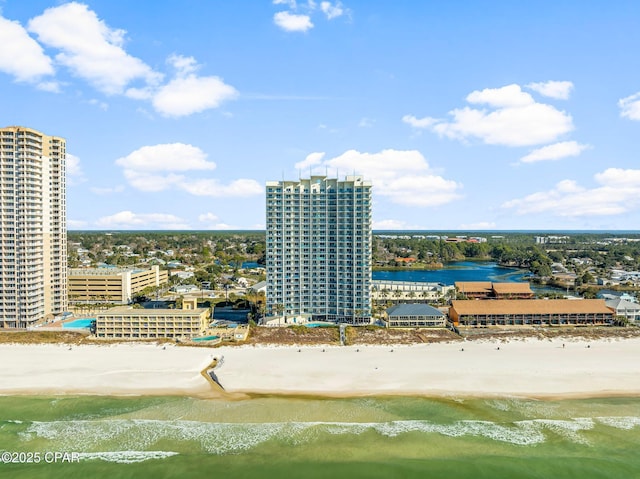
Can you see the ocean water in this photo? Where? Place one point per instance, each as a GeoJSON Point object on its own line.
{"type": "Point", "coordinates": [282, 437]}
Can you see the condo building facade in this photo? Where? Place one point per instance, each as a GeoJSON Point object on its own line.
{"type": "Point", "coordinates": [318, 253]}
{"type": "Point", "coordinates": [33, 229]}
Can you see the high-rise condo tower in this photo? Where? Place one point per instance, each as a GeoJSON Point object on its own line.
{"type": "Point", "coordinates": [319, 249]}
{"type": "Point", "coordinates": [33, 227]}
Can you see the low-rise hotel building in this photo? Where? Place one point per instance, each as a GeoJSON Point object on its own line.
{"type": "Point", "coordinates": [489, 290]}
{"type": "Point", "coordinates": [125, 322]}
{"type": "Point", "coordinates": [403, 291]}
{"type": "Point", "coordinates": [112, 285]}
{"type": "Point", "coordinates": [513, 312]}
{"type": "Point", "coordinates": [415, 315]}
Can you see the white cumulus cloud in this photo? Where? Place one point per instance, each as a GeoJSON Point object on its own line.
{"type": "Point", "coordinates": [618, 192]}
{"type": "Point", "coordinates": [152, 168]}
{"type": "Point", "coordinates": [510, 117]}
{"type": "Point", "coordinates": [95, 52]}
{"type": "Point", "coordinates": [290, 3]}
{"type": "Point", "coordinates": [166, 157]}
{"type": "Point", "coordinates": [90, 48]}
{"type": "Point", "coordinates": [630, 107]}
{"type": "Point", "coordinates": [559, 90]}
{"type": "Point", "coordinates": [556, 151]}
{"type": "Point", "coordinates": [312, 159]}
{"type": "Point", "coordinates": [161, 167]}
{"type": "Point", "coordinates": [332, 10]}
{"type": "Point", "coordinates": [292, 22]}
{"type": "Point", "coordinates": [130, 220]}
{"type": "Point", "coordinates": [22, 57]}
{"type": "Point", "coordinates": [418, 122]}
{"type": "Point", "coordinates": [403, 176]}
{"type": "Point", "coordinates": [189, 93]}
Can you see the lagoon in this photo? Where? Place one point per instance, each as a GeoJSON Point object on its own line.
{"type": "Point", "coordinates": [456, 271]}
{"type": "Point", "coordinates": [464, 271]}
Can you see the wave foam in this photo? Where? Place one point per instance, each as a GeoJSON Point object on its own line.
{"type": "Point", "coordinates": [622, 422]}
{"type": "Point", "coordinates": [230, 438]}
{"type": "Point", "coordinates": [125, 457]}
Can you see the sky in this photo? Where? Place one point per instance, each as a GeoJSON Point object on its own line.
{"type": "Point", "coordinates": [483, 115]}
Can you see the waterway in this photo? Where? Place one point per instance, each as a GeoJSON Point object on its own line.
{"type": "Point", "coordinates": [464, 271]}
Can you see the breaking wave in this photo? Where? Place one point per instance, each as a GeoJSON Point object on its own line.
{"type": "Point", "coordinates": [125, 457]}
{"type": "Point", "coordinates": [136, 438]}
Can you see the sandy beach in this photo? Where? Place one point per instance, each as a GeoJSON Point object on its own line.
{"type": "Point", "coordinates": [119, 369]}
{"type": "Point", "coordinates": [531, 368]}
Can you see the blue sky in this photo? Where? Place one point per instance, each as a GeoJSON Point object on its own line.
{"type": "Point", "coordinates": [465, 115]}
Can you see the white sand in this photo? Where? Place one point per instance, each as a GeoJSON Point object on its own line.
{"type": "Point", "coordinates": [521, 368]}
{"type": "Point", "coordinates": [104, 370]}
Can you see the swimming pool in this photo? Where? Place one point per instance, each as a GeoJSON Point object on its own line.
{"type": "Point", "coordinates": [319, 325]}
{"type": "Point", "coordinates": [79, 323]}
{"type": "Point", "coordinates": [205, 338]}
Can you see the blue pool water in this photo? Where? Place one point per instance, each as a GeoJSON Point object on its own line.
{"type": "Point", "coordinates": [319, 325]}
{"type": "Point", "coordinates": [205, 338]}
{"type": "Point", "coordinates": [79, 323]}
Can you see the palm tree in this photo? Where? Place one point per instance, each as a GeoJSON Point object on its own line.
{"type": "Point", "coordinates": [398, 294]}
{"type": "Point", "coordinates": [425, 295]}
{"type": "Point", "coordinates": [385, 294]}
{"type": "Point", "coordinates": [279, 310]}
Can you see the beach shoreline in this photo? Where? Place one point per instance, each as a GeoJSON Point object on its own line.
{"type": "Point", "coordinates": [544, 369]}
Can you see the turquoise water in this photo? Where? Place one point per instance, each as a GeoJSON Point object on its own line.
{"type": "Point", "coordinates": [374, 437]}
{"type": "Point", "coordinates": [320, 325]}
{"type": "Point", "coordinates": [205, 338]}
{"type": "Point", "coordinates": [79, 323]}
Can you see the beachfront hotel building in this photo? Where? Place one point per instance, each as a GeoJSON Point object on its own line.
{"type": "Point", "coordinates": [319, 249]}
{"type": "Point", "coordinates": [126, 322]}
{"type": "Point", "coordinates": [33, 227]}
{"type": "Point", "coordinates": [515, 312]}
{"type": "Point", "coordinates": [113, 285]}
{"type": "Point", "coordinates": [414, 315]}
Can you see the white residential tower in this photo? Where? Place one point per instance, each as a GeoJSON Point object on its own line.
{"type": "Point", "coordinates": [319, 249]}
{"type": "Point", "coordinates": [33, 228]}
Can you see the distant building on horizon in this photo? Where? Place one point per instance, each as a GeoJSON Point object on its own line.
{"type": "Point", "coordinates": [318, 253]}
{"type": "Point", "coordinates": [33, 227]}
